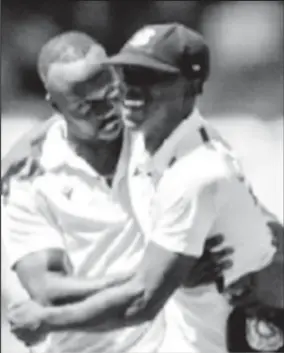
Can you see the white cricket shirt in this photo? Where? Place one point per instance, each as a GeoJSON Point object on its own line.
{"type": "Point", "coordinates": [71, 207]}
{"type": "Point", "coordinates": [187, 191]}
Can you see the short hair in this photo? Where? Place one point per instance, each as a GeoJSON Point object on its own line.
{"type": "Point", "coordinates": [64, 48]}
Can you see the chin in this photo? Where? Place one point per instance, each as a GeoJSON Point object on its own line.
{"type": "Point", "coordinates": [132, 124]}
{"type": "Point", "coordinates": [111, 136]}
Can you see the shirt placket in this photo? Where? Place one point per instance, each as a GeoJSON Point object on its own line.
{"type": "Point", "coordinates": [143, 192]}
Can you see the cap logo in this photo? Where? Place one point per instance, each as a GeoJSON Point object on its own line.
{"type": "Point", "coordinates": [143, 37]}
{"type": "Point", "coordinates": [196, 67]}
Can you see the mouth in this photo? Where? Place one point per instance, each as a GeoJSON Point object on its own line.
{"type": "Point", "coordinates": [133, 104]}
{"type": "Point", "coordinates": [133, 116]}
{"type": "Point", "coordinates": [110, 126]}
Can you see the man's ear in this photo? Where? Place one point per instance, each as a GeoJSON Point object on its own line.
{"type": "Point", "coordinates": [51, 102]}
{"type": "Point", "coordinates": [198, 86]}
{"type": "Point", "coordinates": [194, 87]}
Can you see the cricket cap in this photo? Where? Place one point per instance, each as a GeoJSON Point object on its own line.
{"type": "Point", "coordinates": [169, 48]}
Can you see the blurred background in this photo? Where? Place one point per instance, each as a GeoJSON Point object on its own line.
{"type": "Point", "coordinates": [243, 97]}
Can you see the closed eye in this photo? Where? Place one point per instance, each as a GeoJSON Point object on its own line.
{"type": "Point", "coordinates": [83, 108]}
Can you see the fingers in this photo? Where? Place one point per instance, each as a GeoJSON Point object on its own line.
{"type": "Point", "coordinates": [10, 318]}
{"type": "Point", "coordinates": [221, 255]}
{"type": "Point", "coordinates": [214, 241]}
{"type": "Point", "coordinates": [26, 334]}
{"type": "Point", "coordinates": [225, 265]}
{"type": "Point", "coordinates": [211, 267]}
{"type": "Point", "coordinates": [214, 259]}
{"type": "Point", "coordinates": [213, 272]}
{"type": "Point", "coordinates": [245, 300]}
{"type": "Point", "coordinates": [277, 231]}
{"type": "Point", "coordinates": [218, 270]}
{"type": "Point", "coordinates": [16, 305]}
{"type": "Point", "coordinates": [276, 227]}
{"type": "Point", "coordinates": [28, 338]}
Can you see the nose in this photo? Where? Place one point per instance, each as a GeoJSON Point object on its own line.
{"type": "Point", "coordinates": [109, 104]}
{"type": "Point", "coordinates": [114, 95]}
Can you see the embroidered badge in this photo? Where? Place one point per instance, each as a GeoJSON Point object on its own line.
{"type": "Point", "coordinates": [143, 37]}
{"type": "Point", "coordinates": [262, 335]}
{"type": "Point", "coordinates": [196, 67]}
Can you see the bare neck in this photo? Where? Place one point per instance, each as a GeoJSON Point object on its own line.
{"type": "Point", "coordinates": [155, 137]}
{"type": "Point", "coordinates": [102, 157]}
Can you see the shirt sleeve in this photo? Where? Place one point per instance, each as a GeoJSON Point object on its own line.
{"type": "Point", "coordinates": [184, 211]}
{"type": "Point", "coordinates": [27, 228]}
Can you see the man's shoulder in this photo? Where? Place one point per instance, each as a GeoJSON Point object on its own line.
{"type": "Point", "coordinates": [23, 157]}
{"type": "Point", "coordinates": [197, 172]}
{"type": "Point", "coordinates": [26, 145]}
{"type": "Point", "coordinates": [203, 165]}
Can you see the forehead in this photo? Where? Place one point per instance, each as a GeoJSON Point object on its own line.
{"type": "Point", "coordinates": [79, 78]}
{"type": "Point", "coordinates": [97, 84]}
{"type": "Point", "coordinates": [141, 76]}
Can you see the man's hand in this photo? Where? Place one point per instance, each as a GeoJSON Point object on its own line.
{"type": "Point", "coordinates": [264, 288]}
{"type": "Point", "coordinates": [210, 267]}
{"type": "Point", "coordinates": [27, 322]}
{"type": "Point", "coordinates": [241, 293]}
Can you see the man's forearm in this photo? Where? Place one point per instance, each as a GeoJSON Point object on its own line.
{"type": "Point", "coordinates": [138, 300]}
{"type": "Point", "coordinates": [57, 289]}
{"type": "Point", "coordinates": [96, 311]}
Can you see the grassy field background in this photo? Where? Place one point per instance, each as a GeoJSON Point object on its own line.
{"type": "Point", "coordinates": [258, 143]}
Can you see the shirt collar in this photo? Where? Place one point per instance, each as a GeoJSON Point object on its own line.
{"type": "Point", "coordinates": [57, 153]}
{"type": "Point", "coordinates": [121, 168]}
{"type": "Point", "coordinates": [171, 148]}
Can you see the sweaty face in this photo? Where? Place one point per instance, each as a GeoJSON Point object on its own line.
{"type": "Point", "coordinates": [88, 97]}
{"type": "Point", "coordinates": [152, 99]}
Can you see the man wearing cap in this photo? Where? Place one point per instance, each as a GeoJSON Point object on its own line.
{"type": "Point", "coordinates": [185, 183]}
{"type": "Point", "coordinates": [71, 237]}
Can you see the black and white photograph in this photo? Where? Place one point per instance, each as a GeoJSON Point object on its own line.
{"type": "Point", "coordinates": [142, 176]}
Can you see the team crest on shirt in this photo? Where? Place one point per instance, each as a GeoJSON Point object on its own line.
{"type": "Point", "coordinates": [263, 336]}
{"type": "Point", "coordinates": [143, 37]}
